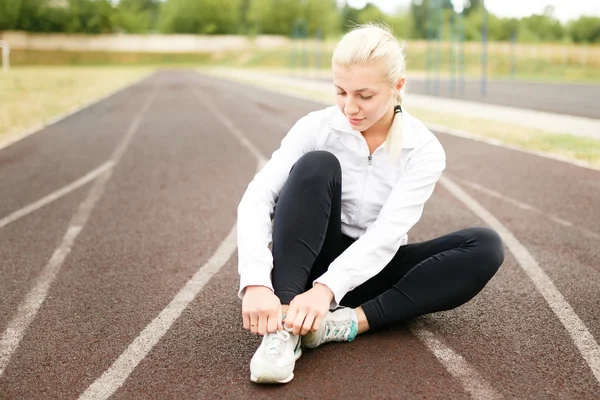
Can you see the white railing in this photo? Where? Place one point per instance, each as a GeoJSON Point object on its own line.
{"type": "Point", "coordinates": [5, 55]}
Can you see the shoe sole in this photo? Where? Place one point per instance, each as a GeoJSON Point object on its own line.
{"type": "Point", "coordinates": [271, 380]}
{"type": "Point", "coordinates": [267, 379]}
{"type": "Point", "coordinates": [309, 340]}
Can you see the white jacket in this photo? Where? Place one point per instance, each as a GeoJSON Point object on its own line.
{"type": "Point", "coordinates": [381, 199]}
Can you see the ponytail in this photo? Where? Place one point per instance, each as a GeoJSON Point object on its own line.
{"type": "Point", "coordinates": [393, 141]}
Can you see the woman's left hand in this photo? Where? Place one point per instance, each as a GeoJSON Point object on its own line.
{"type": "Point", "coordinates": [308, 309]}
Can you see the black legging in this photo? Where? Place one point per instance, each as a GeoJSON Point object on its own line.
{"type": "Point", "coordinates": [421, 278]}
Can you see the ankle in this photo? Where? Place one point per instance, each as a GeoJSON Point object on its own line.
{"type": "Point", "coordinates": [363, 323]}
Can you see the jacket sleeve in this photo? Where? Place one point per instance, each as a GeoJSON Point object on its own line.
{"type": "Point", "coordinates": [368, 255]}
{"type": "Point", "coordinates": [254, 225]}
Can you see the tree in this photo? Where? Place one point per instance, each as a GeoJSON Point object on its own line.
{"type": "Point", "coordinates": [401, 24]}
{"type": "Point", "coordinates": [371, 13]}
{"type": "Point", "coordinates": [545, 28]}
{"type": "Point", "coordinates": [9, 13]}
{"type": "Point", "coordinates": [585, 30]}
{"type": "Point", "coordinates": [280, 17]}
{"type": "Point", "coordinates": [244, 9]}
{"type": "Point", "coordinates": [90, 16]}
{"type": "Point", "coordinates": [349, 17]}
{"type": "Point", "coordinates": [201, 17]}
{"type": "Point", "coordinates": [275, 16]}
{"type": "Point", "coordinates": [472, 6]}
{"type": "Point", "coordinates": [322, 16]}
{"type": "Point", "coordinates": [474, 26]}
{"type": "Point", "coordinates": [422, 13]}
{"type": "Point", "coordinates": [419, 13]}
{"type": "Point", "coordinates": [507, 28]}
{"type": "Point", "coordinates": [137, 16]}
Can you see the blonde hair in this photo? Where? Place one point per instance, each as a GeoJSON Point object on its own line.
{"type": "Point", "coordinates": [372, 43]}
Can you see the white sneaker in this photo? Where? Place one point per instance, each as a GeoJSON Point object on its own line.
{"type": "Point", "coordinates": [337, 326]}
{"type": "Point", "coordinates": [275, 358]}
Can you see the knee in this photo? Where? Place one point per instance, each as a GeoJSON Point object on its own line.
{"type": "Point", "coordinates": [317, 166]}
{"type": "Point", "coordinates": [490, 249]}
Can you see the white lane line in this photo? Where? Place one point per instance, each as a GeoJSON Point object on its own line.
{"type": "Point", "coordinates": [457, 366]}
{"type": "Point", "coordinates": [581, 336]}
{"type": "Point", "coordinates": [28, 308]}
{"type": "Point", "coordinates": [116, 375]}
{"type": "Point", "coordinates": [528, 207]}
{"type": "Point", "coordinates": [113, 378]}
{"type": "Point", "coordinates": [236, 132]}
{"type": "Point", "coordinates": [56, 195]}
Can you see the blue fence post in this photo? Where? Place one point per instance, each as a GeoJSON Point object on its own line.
{"type": "Point", "coordinates": [428, 49]}
{"type": "Point", "coordinates": [293, 60]}
{"type": "Point", "coordinates": [439, 25]}
{"type": "Point", "coordinates": [461, 54]}
{"type": "Point", "coordinates": [484, 39]}
{"type": "Point", "coordinates": [304, 31]}
{"type": "Point", "coordinates": [318, 43]}
{"type": "Point", "coordinates": [453, 38]}
{"type": "Point", "coordinates": [513, 56]}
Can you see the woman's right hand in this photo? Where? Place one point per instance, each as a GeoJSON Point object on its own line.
{"type": "Point", "coordinates": [261, 310]}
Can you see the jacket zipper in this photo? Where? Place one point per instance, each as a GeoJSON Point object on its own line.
{"type": "Point", "coordinates": [362, 195]}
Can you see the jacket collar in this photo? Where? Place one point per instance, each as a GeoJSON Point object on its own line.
{"type": "Point", "coordinates": [410, 134]}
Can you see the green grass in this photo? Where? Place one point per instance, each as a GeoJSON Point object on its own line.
{"type": "Point", "coordinates": [299, 57]}
{"type": "Point", "coordinates": [32, 95]}
{"type": "Point", "coordinates": [568, 146]}
{"type": "Point", "coordinates": [100, 58]}
{"type": "Point", "coordinates": [498, 67]}
{"type": "Point", "coordinates": [582, 149]}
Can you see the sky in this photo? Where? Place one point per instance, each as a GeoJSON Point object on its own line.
{"type": "Point", "coordinates": [565, 9]}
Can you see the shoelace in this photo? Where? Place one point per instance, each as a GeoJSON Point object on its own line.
{"type": "Point", "coordinates": [336, 331]}
{"type": "Point", "coordinates": [274, 342]}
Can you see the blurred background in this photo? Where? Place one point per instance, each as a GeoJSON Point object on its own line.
{"type": "Point", "coordinates": [517, 39]}
{"type": "Point", "coordinates": [59, 54]}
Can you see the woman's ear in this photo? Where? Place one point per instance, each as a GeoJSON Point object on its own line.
{"type": "Point", "coordinates": [400, 84]}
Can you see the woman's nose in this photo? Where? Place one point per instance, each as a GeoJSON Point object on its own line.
{"type": "Point", "coordinates": [351, 107]}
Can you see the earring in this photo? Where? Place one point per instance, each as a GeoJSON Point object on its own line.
{"type": "Point", "coordinates": [398, 109]}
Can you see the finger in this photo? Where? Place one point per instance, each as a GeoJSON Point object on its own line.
{"type": "Point", "coordinates": [298, 322]}
{"type": "Point", "coordinates": [290, 316]}
{"type": "Point", "coordinates": [246, 320]}
{"type": "Point", "coordinates": [280, 318]}
{"type": "Point", "coordinates": [254, 322]}
{"type": "Point", "coordinates": [272, 323]}
{"type": "Point", "coordinates": [307, 325]}
{"type": "Point", "coordinates": [317, 324]}
{"type": "Point", "coordinates": [262, 323]}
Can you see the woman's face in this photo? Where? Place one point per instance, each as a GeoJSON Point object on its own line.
{"type": "Point", "coordinates": [363, 94]}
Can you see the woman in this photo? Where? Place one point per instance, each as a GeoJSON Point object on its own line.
{"type": "Point", "coordinates": [337, 200]}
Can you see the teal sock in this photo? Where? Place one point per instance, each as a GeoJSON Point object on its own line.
{"type": "Point", "coordinates": [354, 326]}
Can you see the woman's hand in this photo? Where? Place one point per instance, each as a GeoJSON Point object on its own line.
{"type": "Point", "coordinates": [261, 310]}
{"type": "Point", "coordinates": [308, 309]}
